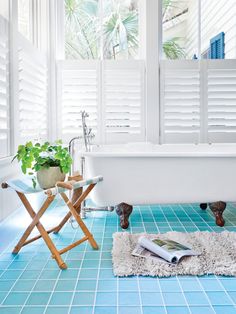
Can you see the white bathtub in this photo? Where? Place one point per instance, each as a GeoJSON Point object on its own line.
{"type": "Point", "coordinates": [152, 174]}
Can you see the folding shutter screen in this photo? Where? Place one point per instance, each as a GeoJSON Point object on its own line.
{"type": "Point", "coordinates": [112, 92]}
{"type": "Point", "coordinates": [124, 101]}
{"type": "Point", "coordinates": [217, 47]}
{"type": "Point", "coordinates": [180, 101]}
{"type": "Point", "coordinates": [77, 90]}
{"type": "Point", "coordinates": [32, 92]}
{"type": "Point", "coordinates": [221, 78]}
{"type": "Point", "coordinates": [4, 89]}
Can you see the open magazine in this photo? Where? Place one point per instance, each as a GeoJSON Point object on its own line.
{"type": "Point", "coordinates": [164, 250]}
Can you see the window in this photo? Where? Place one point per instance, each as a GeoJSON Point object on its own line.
{"type": "Point", "coordinates": [190, 28]}
{"type": "Point", "coordinates": [101, 29]}
{"type": "Point", "coordinates": [104, 78]}
{"type": "Point", "coordinates": [180, 29]}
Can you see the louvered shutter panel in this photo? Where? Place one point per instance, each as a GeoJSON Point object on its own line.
{"type": "Point", "coordinates": [32, 92]}
{"type": "Point", "coordinates": [77, 90]}
{"type": "Point", "coordinates": [124, 101]}
{"type": "Point", "coordinates": [221, 78]}
{"type": "Point", "coordinates": [4, 89]}
{"type": "Point", "coordinates": [180, 101]}
{"type": "Point", "coordinates": [217, 46]}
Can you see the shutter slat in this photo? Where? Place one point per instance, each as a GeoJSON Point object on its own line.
{"type": "Point", "coordinates": [180, 101]}
{"type": "Point", "coordinates": [124, 99]}
{"type": "Point", "coordinates": [32, 92]}
{"type": "Point", "coordinates": [221, 101]}
{"type": "Point", "coordinates": [78, 91]}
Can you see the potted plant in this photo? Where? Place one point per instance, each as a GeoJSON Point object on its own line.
{"type": "Point", "coordinates": [51, 162]}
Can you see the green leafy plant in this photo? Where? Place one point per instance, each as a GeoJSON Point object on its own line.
{"type": "Point", "coordinates": [172, 49]}
{"type": "Point", "coordinates": [34, 157]}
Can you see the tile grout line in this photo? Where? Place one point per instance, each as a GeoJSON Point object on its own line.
{"type": "Point", "coordinates": [15, 282]}
{"type": "Point", "coordinates": [99, 265]}
{"type": "Point", "coordinates": [77, 280]}
{"type": "Point", "coordinates": [58, 276]}
{"type": "Point", "coordinates": [30, 292]}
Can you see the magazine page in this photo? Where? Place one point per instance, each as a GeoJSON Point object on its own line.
{"type": "Point", "coordinates": [142, 252]}
{"type": "Point", "coordinates": [167, 249]}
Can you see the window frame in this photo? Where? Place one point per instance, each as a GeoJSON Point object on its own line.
{"type": "Point", "coordinates": [14, 66]}
{"type": "Point", "coordinates": [60, 25]}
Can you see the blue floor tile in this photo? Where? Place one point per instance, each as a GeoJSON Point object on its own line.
{"type": "Point", "coordinates": [33, 281]}
{"type": "Point", "coordinates": [130, 284]}
{"type": "Point", "coordinates": [33, 310]}
{"type": "Point", "coordinates": [128, 298]}
{"type": "Point", "coordinates": [202, 310]}
{"type": "Point", "coordinates": [105, 310]}
{"type": "Point", "coordinates": [86, 285]}
{"type": "Point", "coordinates": [218, 298]}
{"type": "Point", "coordinates": [153, 310]}
{"type": "Point", "coordinates": [151, 298]}
{"type": "Point", "coordinates": [177, 310]}
{"type": "Point", "coordinates": [107, 285]}
{"type": "Point", "coordinates": [129, 310]}
{"type": "Point", "coordinates": [196, 298]}
{"type": "Point", "coordinates": [83, 298]}
{"type": "Point", "coordinates": [38, 298]}
{"type": "Point", "coordinates": [15, 298]}
{"type": "Point", "coordinates": [148, 285]}
{"type": "Point", "coordinates": [65, 285]}
{"type": "Point", "coordinates": [57, 310]}
{"type": "Point", "coordinates": [23, 285]}
{"type": "Point", "coordinates": [61, 298]}
{"type": "Point", "coordinates": [224, 309]}
{"type": "Point", "coordinates": [106, 298]}
{"type": "Point", "coordinates": [44, 285]}
{"type": "Point", "coordinates": [172, 298]}
{"type": "Point", "coordinates": [170, 286]}
{"type": "Point", "coordinates": [81, 310]}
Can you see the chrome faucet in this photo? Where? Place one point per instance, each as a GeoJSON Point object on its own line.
{"type": "Point", "coordinates": [87, 132]}
{"type": "Point", "coordinates": [87, 136]}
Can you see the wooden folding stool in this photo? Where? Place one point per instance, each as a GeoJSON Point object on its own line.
{"type": "Point", "coordinates": [24, 186]}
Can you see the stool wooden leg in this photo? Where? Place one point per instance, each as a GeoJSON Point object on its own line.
{"type": "Point", "coordinates": [33, 223]}
{"type": "Point", "coordinates": [43, 232]}
{"type": "Point", "coordinates": [79, 220]}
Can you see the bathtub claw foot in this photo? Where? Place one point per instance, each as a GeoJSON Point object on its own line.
{"type": "Point", "coordinates": [218, 208]}
{"type": "Point", "coordinates": [203, 206]}
{"type": "Point", "coordinates": [124, 210]}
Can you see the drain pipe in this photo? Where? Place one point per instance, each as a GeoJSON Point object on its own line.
{"type": "Point", "coordinates": [84, 208]}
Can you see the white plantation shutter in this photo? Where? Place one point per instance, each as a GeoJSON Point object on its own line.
{"type": "Point", "coordinates": [221, 83]}
{"type": "Point", "coordinates": [198, 101]}
{"type": "Point", "coordinates": [4, 89]}
{"type": "Point", "coordinates": [180, 101]}
{"type": "Point", "coordinates": [77, 91]}
{"type": "Point", "coordinates": [124, 101]}
{"type": "Point", "coordinates": [32, 92]}
{"type": "Point", "coordinates": [112, 92]}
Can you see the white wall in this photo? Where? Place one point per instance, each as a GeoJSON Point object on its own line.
{"type": "Point", "coordinates": [191, 29]}
{"type": "Point", "coordinates": [8, 199]}
{"type": "Point", "coordinates": [219, 16]}
{"type": "Point", "coordinates": [216, 17]}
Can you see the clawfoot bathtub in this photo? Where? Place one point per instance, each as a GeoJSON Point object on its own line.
{"type": "Point", "coordinates": [144, 173]}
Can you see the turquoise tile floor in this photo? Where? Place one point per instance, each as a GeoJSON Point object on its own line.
{"type": "Point", "coordinates": [31, 282]}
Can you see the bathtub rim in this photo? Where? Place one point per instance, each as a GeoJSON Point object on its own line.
{"type": "Point", "coordinates": [220, 150]}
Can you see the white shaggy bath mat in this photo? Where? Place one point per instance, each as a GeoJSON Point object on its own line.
{"type": "Point", "coordinates": [218, 255]}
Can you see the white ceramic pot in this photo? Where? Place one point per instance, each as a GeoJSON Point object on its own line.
{"type": "Point", "coordinates": [48, 177]}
